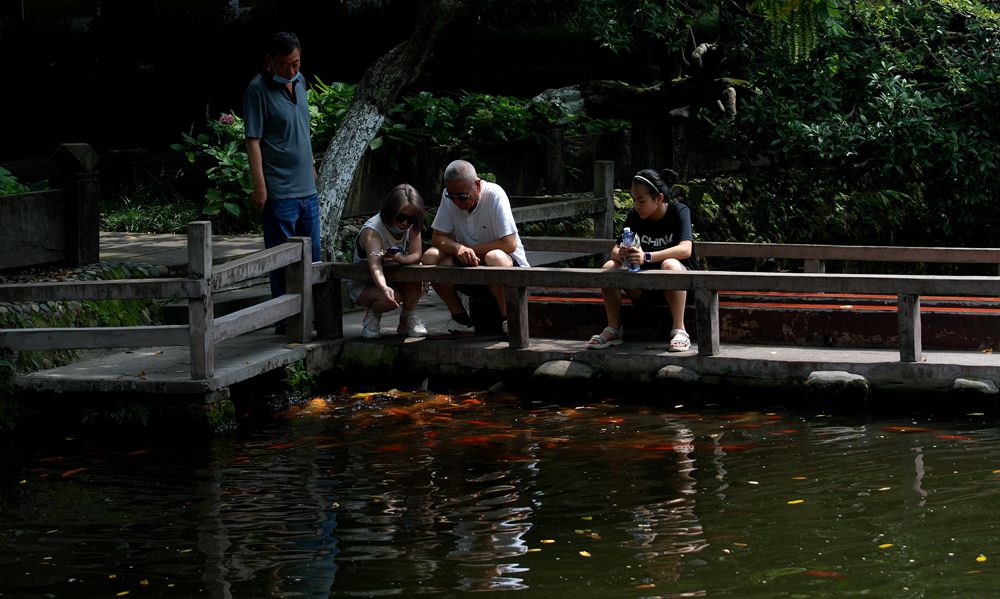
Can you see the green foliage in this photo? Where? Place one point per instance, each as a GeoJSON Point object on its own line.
{"type": "Point", "coordinates": [141, 210]}
{"type": "Point", "coordinates": [619, 25]}
{"type": "Point", "coordinates": [464, 121]}
{"type": "Point", "coordinates": [795, 23]}
{"type": "Point", "coordinates": [298, 378]}
{"type": "Point", "coordinates": [10, 185]}
{"type": "Point", "coordinates": [328, 104]}
{"type": "Point", "coordinates": [229, 173]}
{"type": "Point", "coordinates": [885, 136]}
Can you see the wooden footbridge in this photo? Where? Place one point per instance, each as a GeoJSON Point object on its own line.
{"type": "Point", "coordinates": [209, 353]}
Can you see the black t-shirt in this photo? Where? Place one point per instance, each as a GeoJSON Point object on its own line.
{"type": "Point", "coordinates": [673, 228]}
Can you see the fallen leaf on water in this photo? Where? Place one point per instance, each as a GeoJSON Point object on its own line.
{"type": "Point", "coordinates": [24, 481]}
{"type": "Point", "coordinates": [70, 473]}
{"type": "Point", "coordinates": [796, 501]}
{"type": "Point", "coordinates": [142, 375]}
{"type": "Point", "coordinates": [800, 478]}
{"type": "Point", "coordinates": [585, 553]}
{"type": "Point", "coordinates": [752, 482]}
{"type": "Point", "coordinates": [547, 541]}
{"type": "Point", "coordinates": [586, 517]}
{"type": "Point", "coordinates": [988, 350]}
{"type": "Point", "coordinates": [981, 558]}
{"type": "Point", "coordinates": [534, 550]}
{"type": "Point", "coordinates": [122, 594]}
{"type": "Point", "coordinates": [884, 488]}
{"type": "Point", "coordinates": [885, 545]}
{"type": "Point", "coordinates": [144, 582]}
{"type": "Point", "coordinates": [648, 585]}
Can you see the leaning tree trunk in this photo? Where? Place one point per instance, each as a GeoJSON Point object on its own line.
{"type": "Point", "coordinates": [373, 97]}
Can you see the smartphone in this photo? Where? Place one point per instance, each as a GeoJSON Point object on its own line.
{"type": "Point", "coordinates": [393, 250]}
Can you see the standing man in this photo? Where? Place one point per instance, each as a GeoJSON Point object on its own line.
{"type": "Point", "coordinates": [276, 116]}
{"type": "Point", "coordinates": [474, 226]}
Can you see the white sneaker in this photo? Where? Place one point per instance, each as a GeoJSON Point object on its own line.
{"type": "Point", "coordinates": [410, 325]}
{"type": "Point", "coordinates": [371, 325]}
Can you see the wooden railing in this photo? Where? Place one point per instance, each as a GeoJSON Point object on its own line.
{"type": "Point", "coordinates": [814, 257]}
{"type": "Point", "coordinates": [203, 331]}
{"type": "Point", "coordinates": [706, 286]}
{"type": "Point", "coordinates": [599, 203]}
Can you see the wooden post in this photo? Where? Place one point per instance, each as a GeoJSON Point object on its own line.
{"type": "Point", "coordinates": [555, 178]}
{"type": "Point", "coordinates": [517, 317]}
{"type": "Point", "coordinates": [910, 343]}
{"type": "Point", "coordinates": [299, 328]}
{"type": "Point", "coordinates": [82, 191]}
{"type": "Point", "coordinates": [201, 310]}
{"type": "Point", "coordinates": [328, 309]}
{"type": "Point", "coordinates": [706, 302]}
{"type": "Point", "coordinates": [604, 187]}
{"type": "Point", "coordinates": [813, 265]}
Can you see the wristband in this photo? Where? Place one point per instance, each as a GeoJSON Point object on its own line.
{"type": "Point", "coordinates": [647, 257]}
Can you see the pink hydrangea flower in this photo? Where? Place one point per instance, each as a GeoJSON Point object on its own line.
{"type": "Point", "coordinates": [227, 119]}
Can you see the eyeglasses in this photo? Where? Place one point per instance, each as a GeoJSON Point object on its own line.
{"type": "Point", "coordinates": [456, 197]}
{"type": "Point", "coordinates": [406, 218]}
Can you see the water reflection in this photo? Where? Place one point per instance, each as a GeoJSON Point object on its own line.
{"type": "Point", "coordinates": [418, 493]}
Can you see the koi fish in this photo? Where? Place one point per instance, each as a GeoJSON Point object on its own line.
{"type": "Point", "coordinates": [824, 574]}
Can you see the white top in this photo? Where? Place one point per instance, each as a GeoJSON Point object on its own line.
{"type": "Point", "coordinates": [490, 220]}
{"type": "Point", "coordinates": [356, 286]}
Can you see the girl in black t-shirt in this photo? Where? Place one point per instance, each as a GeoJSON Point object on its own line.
{"type": "Point", "coordinates": [663, 232]}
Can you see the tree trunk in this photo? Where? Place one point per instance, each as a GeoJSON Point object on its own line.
{"type": "Point", "coordinates": [373, 97]}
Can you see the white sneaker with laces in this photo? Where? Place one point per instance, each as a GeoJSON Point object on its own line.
{"type": "Point", "coordinates": [371, 325]}
{"type": "Point", "coordinates": [411, 326]}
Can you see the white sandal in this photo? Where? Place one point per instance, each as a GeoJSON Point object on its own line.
{"type": "Point", "coordinates": [679, 340]}
{"type": "Point", "coordinates": [607, 338]}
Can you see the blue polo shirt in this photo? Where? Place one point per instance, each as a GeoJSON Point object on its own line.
{"type": "Point", "coordinates": [281, 122]}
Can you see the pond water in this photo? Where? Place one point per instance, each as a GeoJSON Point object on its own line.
{"type": "Point", "coordinates": [408, 494]}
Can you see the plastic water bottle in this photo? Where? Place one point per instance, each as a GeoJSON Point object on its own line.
{"type": "Point", "coordinates": [628, 241]}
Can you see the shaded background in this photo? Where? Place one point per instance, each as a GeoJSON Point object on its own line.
{"type": "Point", "coordinates": [127, 74]}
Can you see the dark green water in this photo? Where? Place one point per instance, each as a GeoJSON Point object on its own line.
{"type": "Point", "coordinates": [423, 494]}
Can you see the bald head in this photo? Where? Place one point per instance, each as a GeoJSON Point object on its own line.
{"type": "Point", "coordinates": [460, 171]}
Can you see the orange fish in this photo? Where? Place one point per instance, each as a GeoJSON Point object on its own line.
{"type": "Point", "coordinates": [478, 439]}
{"type": "Point", "coordinates": [70, 473]}
{"type": "Point", "coordinates": [824, 574]}
{"type": "Point", "coordinates": [954, 437]}
{"type": "Point", "coordinates": [610, 420]}
{"type": "Point", "coordinates": [658, 447]}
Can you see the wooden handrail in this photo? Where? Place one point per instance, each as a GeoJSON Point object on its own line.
{"type": "Point", "coordinates": [706, 286]}
{"type": "Point", "coordinates": [792, 251]}
{"type": "Point", "coordinates": [118, 289]}
{"type": "Point", "coordinates": [203, 331]}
